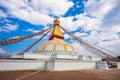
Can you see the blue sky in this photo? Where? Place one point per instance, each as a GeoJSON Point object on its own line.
{"type": "Point", "coordinates": [97, 21]}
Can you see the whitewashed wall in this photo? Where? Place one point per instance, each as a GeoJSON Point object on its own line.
{"type": "Point", "coordinates": [60, 56]}
{"type": "Point", "coordinates": [101, 65]}
{"type": "Point", "coordinates": [50, 65]}
{"type": "Point", "coordinates": [62, 65]}
{"type": "Point", "coordinates": [9, 65]}
{"type": "Point", "coordinates": [37, 56]}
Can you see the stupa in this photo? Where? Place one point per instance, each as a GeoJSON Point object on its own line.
{"type": "Point", "coordinates": [56, 46]}
{"type": "Point", "coordinates": [53, 55]}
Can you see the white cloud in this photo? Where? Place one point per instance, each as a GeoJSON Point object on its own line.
{"type": "Point", "coordinates": [51, 6]}
{"type": "Point", "coordinates": [2, 14]}
{"type": "Point", "coordinates": [83, 21]}
{"type": "Point", "coordinates": [106, 40]}
{"type": "Point", "coordinates": [91, 19]}
{"type": "Point", "coordinates": [36, 37]}
{"type": "Point", "coordinates": [77, 33]}
{"type": "Point", "coordinates": [78, 6]}
{"type": "Point", "coordinates": [111, 45]}
{"type": "Point", "coordinates": [80, 49]}
{"type": "Point", "coordinates": [5, 54]}
{"type": "Point", "coordinates": [99, 8]}
{"type": "Point", "coordinates": [32, 30]}
{"type": "Point", "coordinates": [36, 11]}
{"type": "Point", "coordinates": [106, 11]}
{"type": "Point", "coordinates": [87, 23]}
{"type": "Point", "coordinates": [80, 34]}
{"type": "Point", "coordinates": [66, 36]}
{"type": "Point", "coordinates": [9, 27]}
{"type": "Point", "coordinates": [67, 23]}
{"type": "Point", "coordinates": [2, 51]}
{"type": "Point", "coordinates": [112, 29]}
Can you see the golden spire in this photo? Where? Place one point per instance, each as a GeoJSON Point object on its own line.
{"type": "Point", "coordinates": [56, 34]}
{"type": "Point", "coordinates": [56, 21]}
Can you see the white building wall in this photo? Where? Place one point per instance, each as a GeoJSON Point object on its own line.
{"type": "Point", "coordinates": [101, 65]}
{"type": "Point", "coordinates": [62, 65]}
{"type": "Point", "coordinates": [9, 65]}
{"type": "Point", "coordinates": [96, 59]}
{"type": "Point", "coordinates": [37, 56]}
{"type": "Point", "coordinates": [89, 58]}
{"type": "Point", "coordinates": [50, 65]}
{"type": "Point", "coordinates": [60, 56]}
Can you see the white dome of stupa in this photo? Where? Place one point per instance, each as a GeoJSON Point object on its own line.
{"type": "Point", "coordinates": [56, 46]}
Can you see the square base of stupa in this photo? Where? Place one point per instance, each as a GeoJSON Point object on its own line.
{"type": "Point", "coordinates": [54, 62]}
